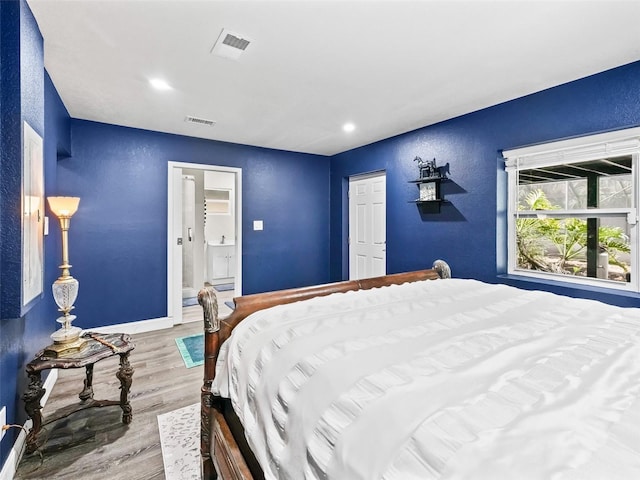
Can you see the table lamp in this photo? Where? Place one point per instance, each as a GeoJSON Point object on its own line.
{"type": "Point", "coordinates": [66, 339]}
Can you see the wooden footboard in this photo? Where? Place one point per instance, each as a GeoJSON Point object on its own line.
{"type": "Point", "coordinates": [219, 444]}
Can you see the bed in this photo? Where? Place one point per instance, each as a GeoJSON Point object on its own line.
{"type": "Point", "coordinates": [418, 375]}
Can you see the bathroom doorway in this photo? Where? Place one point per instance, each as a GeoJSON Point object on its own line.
{"type": "Point", "coordinates": [204, 241]}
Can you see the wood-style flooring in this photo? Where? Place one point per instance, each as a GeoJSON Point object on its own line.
{"type": "Point", "coordinates": [94, 443]}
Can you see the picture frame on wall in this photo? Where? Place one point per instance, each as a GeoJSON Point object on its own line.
{"type": "Point", "coordinates": [32, 209]}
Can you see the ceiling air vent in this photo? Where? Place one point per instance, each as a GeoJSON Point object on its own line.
{"type": "Point", "coordinates": [235, 42]}
{"type": "Point", "coordinates": [199, 121]}
{"type": "Point", "coordinates": [230, 45]}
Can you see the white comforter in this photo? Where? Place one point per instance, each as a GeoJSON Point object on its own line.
{"type": "Point", "coordinates": [451, 379]}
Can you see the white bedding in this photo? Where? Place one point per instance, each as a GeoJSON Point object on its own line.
{"type": "Point", "coordinates": [452, 379]}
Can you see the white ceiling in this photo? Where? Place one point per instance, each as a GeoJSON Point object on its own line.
{"type": "Point", "coordinates": [312, 65]}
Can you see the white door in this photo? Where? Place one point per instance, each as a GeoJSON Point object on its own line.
{"type": "Point", "coordinates": [367, 226]}
{"type": "Point", "coordinates": [174, 246]}
{"type": "Point", "coordinates": [191, 281]}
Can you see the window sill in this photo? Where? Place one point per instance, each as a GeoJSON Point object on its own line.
{"type": "Point", "coordinates": [613, 296]}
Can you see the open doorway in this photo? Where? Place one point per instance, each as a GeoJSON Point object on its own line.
{"type": "Point", "coordinates": [204, 241]}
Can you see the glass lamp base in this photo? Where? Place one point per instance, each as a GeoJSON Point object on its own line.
{"type": "Point", "coordinates": [66, 334]}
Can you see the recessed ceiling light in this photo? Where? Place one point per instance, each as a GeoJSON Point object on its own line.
{"type": "Point", "coordinates": [348, 127]}
{"type": "Point", "coordinates": [160, 84]}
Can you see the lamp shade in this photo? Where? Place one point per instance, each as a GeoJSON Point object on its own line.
{"type": "Point", "coordinates": [63, 207]}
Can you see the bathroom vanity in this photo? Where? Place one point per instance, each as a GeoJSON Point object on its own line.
{"type": "Point", "coordinates": [220, 262]}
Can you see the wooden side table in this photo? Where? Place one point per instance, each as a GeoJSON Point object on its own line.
{"type": "Point", "coordinates": [99, 347]}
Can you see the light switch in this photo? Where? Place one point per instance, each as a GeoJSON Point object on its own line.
{"type": "Point", "coordinates": [258, 225]}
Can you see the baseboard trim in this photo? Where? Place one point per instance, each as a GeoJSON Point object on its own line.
{"type": "Point", "coordinates": [136, 327]}
{"type": "Point", "coordinates": [15, 455]}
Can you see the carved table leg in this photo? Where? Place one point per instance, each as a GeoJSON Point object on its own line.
{"type": "Point", "coordinates": [32, 406]}
{"type": "Point", "coordinates": [124, 375]}
{"type": "Point", "coordinates": [87, 392]}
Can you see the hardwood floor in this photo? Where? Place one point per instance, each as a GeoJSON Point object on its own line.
{"type": "Point", "coordinates": [94, 443]}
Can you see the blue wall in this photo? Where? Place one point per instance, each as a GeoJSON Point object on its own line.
{"type": "Point", "coordinates": [118, 237]}
{"type": "Point", "coordinates": [468, 232]}
{"type": "Point", "coordinates": [26, 93]}
{"type": "Point", "coordinates": [10, 153]}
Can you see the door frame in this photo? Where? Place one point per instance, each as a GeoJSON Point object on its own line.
{"type": "Point", "coordinates": [362, 176]}
{"type": "Point", "coordinates": [174, 253]}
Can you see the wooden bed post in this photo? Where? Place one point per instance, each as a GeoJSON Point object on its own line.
{"type": "Point", "coordinates": [207, 299]}
{"type": "Point", "coordinates": [443, 269]}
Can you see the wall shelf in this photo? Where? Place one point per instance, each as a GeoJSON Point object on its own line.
{"type": "Point", "coordinates": [430, 193]}
{"type": "Point", "coordinates": [429, 206]}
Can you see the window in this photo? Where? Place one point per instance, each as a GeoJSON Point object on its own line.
{"type": "Point", "coordinates": [572, 210]}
